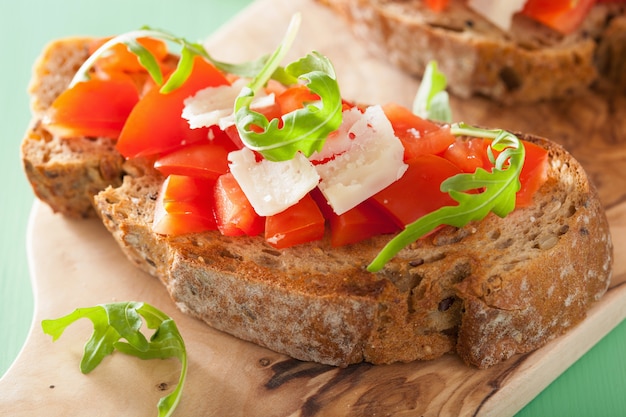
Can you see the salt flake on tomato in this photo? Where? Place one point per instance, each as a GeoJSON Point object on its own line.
{"type": "Point", "coordinates": [270, 186]}
{"type": "Point", "coordinates": [372, 160]}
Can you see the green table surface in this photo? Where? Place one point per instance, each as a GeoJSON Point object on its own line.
{"type": "Point", "coordinates": [593, 386]}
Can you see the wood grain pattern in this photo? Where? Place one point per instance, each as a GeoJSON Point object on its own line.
{"type": "Point", "coordinates": [76, 263]}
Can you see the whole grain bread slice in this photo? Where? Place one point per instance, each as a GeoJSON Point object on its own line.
{"type": "Point", "coordinates": [528, 63]}
{"type": "Point", "coordinates": [486, 291]}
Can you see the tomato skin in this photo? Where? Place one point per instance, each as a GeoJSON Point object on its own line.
{"type": "Point", "coordinates": [418, 136]}
{"type": "Point", "coordinates": [184, 205]}
{"type": "Point", "coordinates": [234, 213]}
{"type": "Point", "coordinates": [534, 174]}
{"type": "Point", "coordinates": [437, 5]}
{"type": "Point", "coordinates": [301, 223]}
{"type": "Point", "coordinates": [207, 159]}
{"type": "Point", "coordinates": [403, 119]}
{"type": "Point", "coordinates": [359, 223]}
{"type": "Point", "coordinates": [119, 58]}
{"type": "Point", "coordinates": [469, 154]}
{"type": "Point", "coordinates": [295, 98]}
{"type": "Point", "coordinates": [156, 126]}
{"type": "Point", "coordinates": [418, 191]}
{"type": "Point", "coordinates": [564, 16]}
{"type": "Point", "coordinates": [93, 108]}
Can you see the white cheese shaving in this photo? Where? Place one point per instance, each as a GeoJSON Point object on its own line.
{"type": "Point", "coordinates": [371, 160]}
{"type": "Point", "coordinates": [339, 141]}
{"type": "Point", "coordinates": [272, 187]}
{"type": "Point", "coordinates": [214, 105]}
{"type": "Point", "coordinates": [500, 13]}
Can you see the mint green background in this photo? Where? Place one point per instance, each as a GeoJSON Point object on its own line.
{"type": "Point", "coordinates": [594, 386]}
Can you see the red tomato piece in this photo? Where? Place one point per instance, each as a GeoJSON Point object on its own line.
{"type": "Point", "coordinates": [418, 192]}
{"type": "Point", "coordinates": [359, 223]}
{"type": "Point", "coordinates": [207, 159]}
{"type": "Point", "coordinates": [156, 126]}
{"type": "Point", "coordinates": [564, 16]}
{"type": "Point", "coordinates": [437, 5]}
{"type": "Point", "coordinates": [403, 119]}
{"type": "Point", "coordinates": [534, 174]}
{"type": "Point", "coordinates": [295, 98]}
{"type": "Point", "coordinates": [119, 58]}
{"type": "Point", "coordinates": [430, 143]}
{"type": "Point", "coordinates": [234, 214]}
{"type": "Point", "coordinates": [184, 205]}
{"type": "Point", "coordinates": [301, 223]}
{"type": "Point", "coordinates": [93, 108]}
{"type": "Point", "coordinates": [418, 136]}
{"type": "Point", "coordinates": [469, 154]}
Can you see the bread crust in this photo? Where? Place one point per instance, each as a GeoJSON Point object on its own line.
{"type": "Point", "coordinates": [487, 291]}
{"type": "Point", "coordinates": [530, 63]}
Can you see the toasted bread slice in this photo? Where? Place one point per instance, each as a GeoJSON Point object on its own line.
{"type": "Point", "coordinates": [487, 291]}
{"type": "Point", "coordinates": [529, 63]}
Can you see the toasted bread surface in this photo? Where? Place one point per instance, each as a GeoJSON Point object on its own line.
{"type": "Point", "coordinates": [528, 63]}
{"type": "Point", "coordinates": [487, 291]}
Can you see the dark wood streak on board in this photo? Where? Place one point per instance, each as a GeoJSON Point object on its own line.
{"type": "Point", "coordinates": [500, 379]}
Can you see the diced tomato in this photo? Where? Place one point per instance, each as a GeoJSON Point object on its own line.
{"type": "Point", "coordinates": [301, 223]}
{"type": "Point", "coordinates": [430, 143]}
{"type": "Point", "coordinates": [418, 192]}
{"type": "Point", "coordinates": [234, 213]}
{"type": "Point", "coordinates": [437, 5]}
{"type": "Point", "coordinates": [207, 159]}
{"type": "Point", "coordinates": [184, 205]}
{"type": "Point", "coordinates": [468, 154]}
{"type": "Point", "coordinates": [471, 154]}
{"type": "Point", "coordinates": [295, 98]}
{"type": "Point", "coordinates": [418, 136]}
{"type": "Point", "coordinates": [203, 159]}
{"type": "Point", "coordinates": [564, 16]}
{"type": "Point", "coordinates": [156, 126]}
{"type": "Point", "coordinates": [93, 108]}
{"type": "Point", "coordinates": [361, 222]}
{"type": "Point", "coordinates": [119, 58]}
{"type": "Point", "coordinates": [534, 174]}
{"type": "Point", "coordinates": [403, 119]}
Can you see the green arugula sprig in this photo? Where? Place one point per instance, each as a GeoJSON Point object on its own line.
{"type": "Point", "coordinates": [188, 50]}
{"type": "Point", "coordinates": [432, 100]}
{"type": "Point", "coordinates": [496, 192]}
{"type": "Point", "coordinates": [116, 321]}
{"type": "Point", "coordinates": [304, 130]}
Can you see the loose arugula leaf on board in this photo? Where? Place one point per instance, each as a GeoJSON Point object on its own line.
{"type": "Point", "coordinates": [304, 130]}
{"type": "Point", "coordinates": [432, 101]}
{"type": "Point", "coordinates": [116, 322]}
{"type": "Point", "coordinates": [496, 192]}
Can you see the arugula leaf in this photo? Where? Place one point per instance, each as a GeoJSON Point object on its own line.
{"type": "Point", "coordinates": [497, 190]}
{"type": "Point", "coordinates": [149, 62]}
{"type": "Point", "coordinates": [304, 130]}
{"type": "Point", "coordinates": [116, 321]}
{"type": "Point", "coordinates": [432, 101]}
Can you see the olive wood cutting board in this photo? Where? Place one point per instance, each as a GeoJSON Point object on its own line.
{"type": "Point", "coordinates": [75, 263]}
